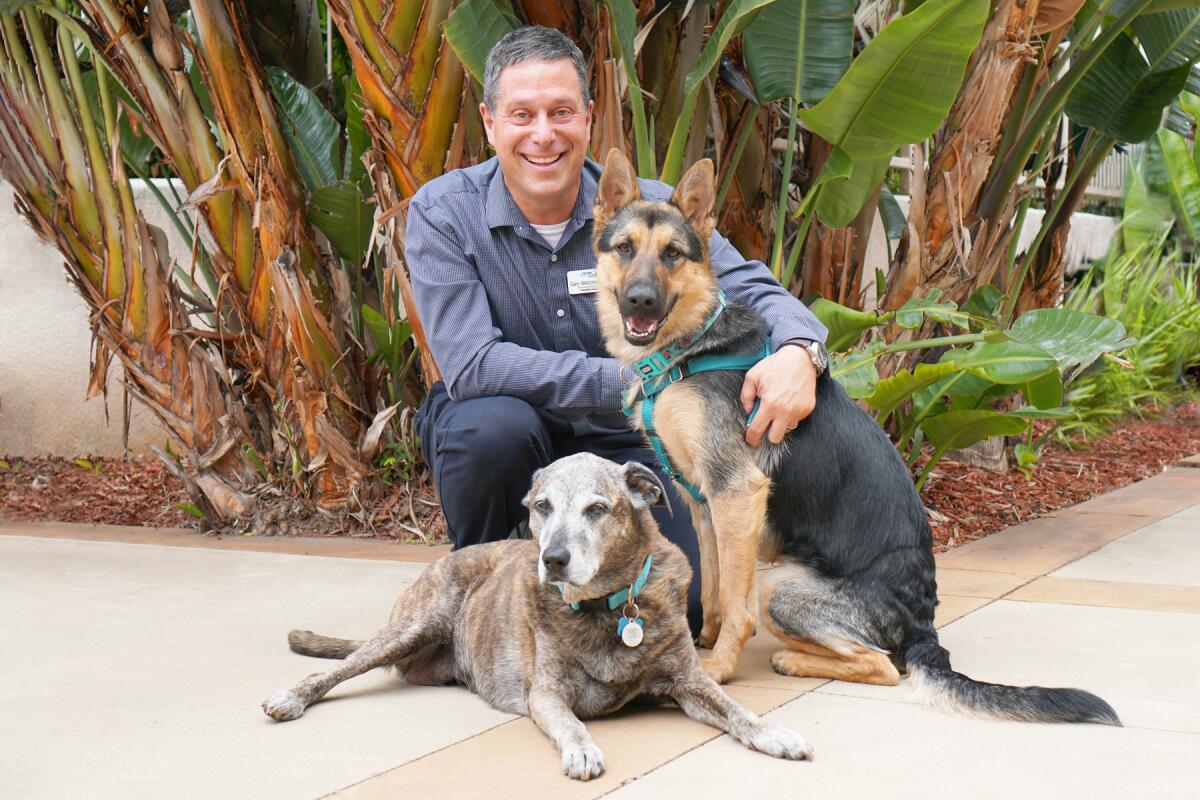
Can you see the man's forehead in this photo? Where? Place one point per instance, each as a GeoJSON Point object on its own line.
{"type": "Point", "coordinates": [555, 80]}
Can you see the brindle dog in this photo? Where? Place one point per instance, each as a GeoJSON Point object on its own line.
{"type": "Point", "coordinates": [498, 619]}
{"type": "Point", "coordinates": [855, 598]}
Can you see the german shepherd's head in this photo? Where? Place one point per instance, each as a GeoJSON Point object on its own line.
{"type": "Point", "coordinates": [655, 284]}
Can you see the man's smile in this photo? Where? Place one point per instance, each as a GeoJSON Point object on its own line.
{"type": "Point", "coordinates": [543, 161]}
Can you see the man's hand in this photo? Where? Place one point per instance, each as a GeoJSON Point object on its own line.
{"type": "Point", "coordinates": [786, 382]}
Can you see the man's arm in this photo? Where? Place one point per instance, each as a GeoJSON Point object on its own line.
{"type": "Point", "coordinates": [468, 348]}
{"type": "Point", "coordinates": [784, 383]}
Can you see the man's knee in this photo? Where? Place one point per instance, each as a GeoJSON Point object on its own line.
{"type": "Point", "coordinates": [484, 433]}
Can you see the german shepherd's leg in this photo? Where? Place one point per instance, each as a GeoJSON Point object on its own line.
{"type": "Point", "coordinates": [739, 514]}
{"type": "Point", "coordinates": [828, 635]}
{"type": "Point", "coordinates": [710, 574]}
{"type": "Point", "coordinates": [551, 711]}
{"type": "Point", "coordinates": [704, 701]}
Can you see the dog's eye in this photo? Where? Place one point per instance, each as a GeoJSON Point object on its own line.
{"type": "Point", "coordinates": [624, 249]}
{"type": "Point", "coordinates": [542, 506]}
{"type": "Point", "coordinates": [672, 253]}
{"type": "Point", "coordinates": [596, 510]}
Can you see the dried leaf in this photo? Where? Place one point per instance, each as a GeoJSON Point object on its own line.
{"type": "Point", "coordinates": [371, 439]}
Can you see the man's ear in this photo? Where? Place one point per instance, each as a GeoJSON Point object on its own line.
{"type": "Point", "coordinates": [486, 116]}
{"type": "Point", "coordinates": [645, 488]}
{"type": "Point", "coordinates": [618, 187]}
{"type": "Point", "coordinates": [694, 196]}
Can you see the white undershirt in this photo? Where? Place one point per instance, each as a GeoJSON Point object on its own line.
{"type": "Point", "coordinates": [552, 233]}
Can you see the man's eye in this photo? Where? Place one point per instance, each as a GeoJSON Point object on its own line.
{"type": "Point", "coordinates": [562, 113]}
{"type": "Point", "coordinates": [520, 116]}
{"type": "Point", "coordinates": [624, 248]}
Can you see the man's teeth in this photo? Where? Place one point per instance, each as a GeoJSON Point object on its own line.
{"type": "Point", "coordinates": [545, 160]}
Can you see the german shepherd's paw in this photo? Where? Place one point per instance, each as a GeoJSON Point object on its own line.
{"type": "Point", "coordinates": [283, 706]}
{"type": "Point", "coordinates": [709, 632]}
{"type": "Point", "coordinates": [717, 670]}
{"type": "Point", "coordinates": [777, 741]}
{"type": "Point", "coordinates": [582, 762]}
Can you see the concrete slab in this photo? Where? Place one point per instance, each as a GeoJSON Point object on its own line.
{"type": "Point", "coordinates": [1166, 552]}
{"type": "Point", "coordinates": [1173, 490]}
{"type": "Point", "coordinates": [977, 583]}
{"type": "Point", "coordinates": [1142, 662]}
{"type": "Point", "coordinates": [1145, 596]}
{"type": "Point", "coordinates": [136, 671]}
{"type": "Point", "coordinates": [517, 761]}
{"type": "Point", "coordinates": [867, 748]}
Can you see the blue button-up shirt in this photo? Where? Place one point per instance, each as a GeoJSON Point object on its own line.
{"type": "Point", "coordinates": [493, 297]}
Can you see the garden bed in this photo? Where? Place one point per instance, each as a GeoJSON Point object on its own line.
{"type": "Point", "coordinates": [965, 503]}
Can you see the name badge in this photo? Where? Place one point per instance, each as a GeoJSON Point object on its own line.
{"type": "Point", "coordinates": [581, 281]}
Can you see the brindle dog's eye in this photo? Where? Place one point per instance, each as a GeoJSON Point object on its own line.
{"type": "Point", "coordinates": [542, 506]}
{"type": "Point", "coordinates": [624, 248]}
{"type": "Point", "coordinates": [596, 510]}
{"type": "Point", "coordinates": [672, 252]}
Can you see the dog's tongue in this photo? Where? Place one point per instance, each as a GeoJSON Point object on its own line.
{"type": "Point", "coordinates": [642, 324]}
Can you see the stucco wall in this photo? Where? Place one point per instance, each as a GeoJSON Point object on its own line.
{"type": "Point", "coordinates": [45, 341]}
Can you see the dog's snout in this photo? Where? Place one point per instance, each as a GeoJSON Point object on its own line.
{"type": "Point", "coordinates": [641, 299]}
{"type": "Point", "coordinates": [556, 559]}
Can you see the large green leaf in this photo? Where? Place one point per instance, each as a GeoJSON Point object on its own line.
{"type": "Point", "coordinates": [856, 371]}
{"type": "Point", "coordinates": [342, 213]}
{"type": "Point", "coordinates": [914, 312]}
{"type": "Point", "coordinates": [733, 20]}
{"type": "Point", "coordinates": [1045, 392]}
{"type": "Point", "coordinates": [1123, 95]}
{"type": "Point", "coordinates": [959, 429]}
{"type": "Point", "coordinates": [1004, 362]}
{"type": "Point", "coordinates": [845, 324]}
{"type": "Point", "coordinates": [1075, 339]}
{"type": "Point", "coordinates": [1146, 211]}
{"type": "Point", "coordinates": [312, 132]}
{"type": "Point", "coordinates": [839, 201]}
{"type": "Point", "coordinates": [1170, 171]}
{"type": "Point", "coordinates": [809, 38]}
{"type": "Point", "coordinates": [891, 392]}
{"type": "Point", "coordinates": [1171, 38]}
{"type": "Point", "coordinates": [472, 29]}
{"type": "Point", "coordinates": [624, 17]}
{"type": "Point", "coordinates": [894, 220]}
{"type": "Point", "coordinates": [900, 88]}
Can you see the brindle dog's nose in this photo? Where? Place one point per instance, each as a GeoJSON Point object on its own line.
{"type": "Point", "coordinates": [556, 560]}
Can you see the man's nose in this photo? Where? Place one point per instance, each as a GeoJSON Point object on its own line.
{"type": "Point", "coordinates": [543, 131]}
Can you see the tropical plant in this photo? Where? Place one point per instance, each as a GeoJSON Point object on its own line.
{"type": "Point", "coordinates": [951, 402]}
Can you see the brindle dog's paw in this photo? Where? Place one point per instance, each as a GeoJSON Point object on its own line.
{"type": "Point", "coordinates": [582, 762]}
{"type": "Point", "coordinates": [777, 741]}
{"type": "Point", "coordinates": [283, 706]}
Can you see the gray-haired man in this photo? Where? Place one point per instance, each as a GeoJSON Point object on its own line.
{"type": "Point", "coordinates": [502, 269]}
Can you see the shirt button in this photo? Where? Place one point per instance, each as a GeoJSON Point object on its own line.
{"type": "Point", "coordinates": [554, 257]}
{"type": "Point", "coordinates": [561, 313]}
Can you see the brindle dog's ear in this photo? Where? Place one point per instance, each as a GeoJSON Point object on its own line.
{"type": "Point", "coordinates": [645, 487]}
{"type": "Point", "coordinates": [694, 195]}
{"type": "Point", "coordinates": [618, 187]}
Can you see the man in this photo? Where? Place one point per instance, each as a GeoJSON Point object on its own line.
{"type": "Point", "coordinates": [500, 255]}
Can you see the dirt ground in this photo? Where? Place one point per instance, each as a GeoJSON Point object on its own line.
{"type": "Point", "coordinates": [965, 503]}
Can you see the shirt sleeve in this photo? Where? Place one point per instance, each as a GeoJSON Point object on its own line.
{"type": "Point", "coordinates": [753, 285]}
{"type": "Point", "coordinates": [469, 349]}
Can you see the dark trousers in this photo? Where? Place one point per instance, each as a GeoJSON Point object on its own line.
{"type": "Point", "coordinates": [484, 451]}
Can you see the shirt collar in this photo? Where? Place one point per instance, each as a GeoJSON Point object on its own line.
{"type": "Point", "coordinates": [501, 209]}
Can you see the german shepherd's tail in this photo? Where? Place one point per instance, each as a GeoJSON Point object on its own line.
{"type": "Point", "coordinates": [939, 685]}
{"type": "Point", "coordinates": [307, 643]}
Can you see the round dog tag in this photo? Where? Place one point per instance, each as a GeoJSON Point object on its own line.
{"type": "Point", "coordinates": [631, 632]}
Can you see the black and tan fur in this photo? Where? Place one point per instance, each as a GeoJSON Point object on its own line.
{"type": "Point", "coordinates": [493, 618]}
{"type": "Point", "coordinates": [833, 502]}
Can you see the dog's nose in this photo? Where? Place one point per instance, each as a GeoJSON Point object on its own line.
{"type": "Point", "coordinates": [556, 560]}
{"type": "Point", "coordinates": [641, 298]}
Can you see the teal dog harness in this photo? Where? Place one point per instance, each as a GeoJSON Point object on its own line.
{"type": "Point", "coordinates": [658, 373]}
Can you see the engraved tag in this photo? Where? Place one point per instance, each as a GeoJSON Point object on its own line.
{"type": "Point", "coordinates": [631, 632]}
{"type": "Point", "coordinates": [581, 281]}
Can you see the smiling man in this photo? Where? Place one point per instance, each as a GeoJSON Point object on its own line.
{"type": "Point", "coordinates": [504, 280]}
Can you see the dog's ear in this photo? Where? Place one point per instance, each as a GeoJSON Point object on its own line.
{"type": "Point", "coordinates": [694, 195]}
{"type": "Point", "coordinates": [618, 187]}
{"type": "Point", "coordinates": [645, 487]}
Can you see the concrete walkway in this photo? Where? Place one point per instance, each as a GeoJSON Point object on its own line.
{"type": "Point", "coordinates": [134, 661]}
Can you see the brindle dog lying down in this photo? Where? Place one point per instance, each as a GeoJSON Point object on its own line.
{"type": "Point", "coordinates": [535, 627]}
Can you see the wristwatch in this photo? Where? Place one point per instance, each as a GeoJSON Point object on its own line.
{"type": "Point", "coordinates": [816, 351]}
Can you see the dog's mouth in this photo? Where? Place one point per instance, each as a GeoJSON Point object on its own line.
{"type": "Point", "coordinates": [642, 330]}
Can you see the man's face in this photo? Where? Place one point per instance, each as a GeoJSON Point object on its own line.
{"type": "Point", "coordinates": [540, 131]}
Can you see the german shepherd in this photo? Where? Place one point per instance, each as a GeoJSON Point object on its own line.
{"type": "Point", "coordinates": [529, 626]}
{"type": "Point", "coordinates": [833, 500]}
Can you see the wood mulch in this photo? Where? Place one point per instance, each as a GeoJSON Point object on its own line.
{"type": "Point", "coordinates": [965, 503]}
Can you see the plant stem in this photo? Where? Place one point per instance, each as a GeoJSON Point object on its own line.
{"type": "Point", "coordinates": [785, 183]}
{"type": "Point", "coordinates": [743, 137]}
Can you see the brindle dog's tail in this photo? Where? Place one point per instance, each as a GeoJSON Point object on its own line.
{"type": "Point", "coordinates": [939, 685]}
{"type": "Point", "coordinates": [307, 643]}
